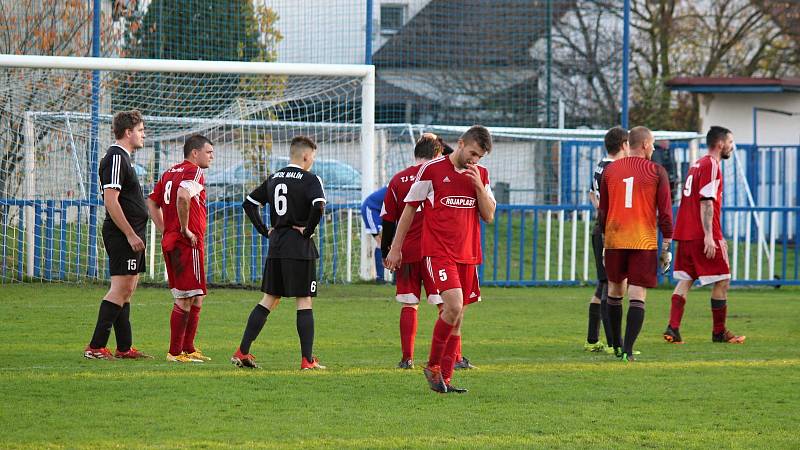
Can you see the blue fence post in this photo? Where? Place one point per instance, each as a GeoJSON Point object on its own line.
{"type": "Point", "coordinates": [535, 245]}
{"type": "Point", "coordinates": [482, 267]}
{"type": "Point", "coordinates": [94, 148]}
{"type": "Point", "coordinates": [62, 272]}
{"type": "Point", "coordinates": [510, 216]}
{"type": "Point", "coordinates": [335, 218]}
{"type": "Point", "coordinates": [223, 269]}
{"type": "Point", "coordinates": [566, 172]}
{"type": "Point", "coordinates": [522, 244]}
{"type": "Point", "coordinates": [20, 241]}
{"type": "Point", "coordinates": [210, 242]}
{"type": "Point", "coordinates": [237, 220]}
{"type": "Point", "coordinates": [37, 240]}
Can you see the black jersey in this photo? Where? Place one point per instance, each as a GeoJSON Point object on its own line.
{"type": "Point", "coordinates": [290, 193]}
{"type": "Point", "coordinates": [596, 179]}
{"type": "Point", "coordinates": [116, 172]}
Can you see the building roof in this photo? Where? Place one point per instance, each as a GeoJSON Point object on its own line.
{"type": "Point", "coordinates": [470, 33]}
{"type": "Point", "coordinates": [734, 85]}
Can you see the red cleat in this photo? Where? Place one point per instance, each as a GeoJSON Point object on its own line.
{"type": "Point", "coordinates": [246, 361]}
{"type": "Point", "coordinates": [133, 353]}
{"type": "Point", "coordinates": [311, 365]}
{"type": "Point", "coordinates": [97, 353]}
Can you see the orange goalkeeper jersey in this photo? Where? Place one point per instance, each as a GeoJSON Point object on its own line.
{"type": "Point", "coordinates": [634, 197]}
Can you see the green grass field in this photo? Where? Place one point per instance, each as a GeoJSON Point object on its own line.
{"type": "Point", "coordinates": [535, 387]}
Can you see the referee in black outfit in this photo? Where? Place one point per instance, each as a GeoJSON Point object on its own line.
{"type": "Point", "coordinates": [123, 237]}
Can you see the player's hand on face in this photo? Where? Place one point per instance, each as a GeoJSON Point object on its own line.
{"type": "Point", "coordinates": [475, 175]}
{"type": "Point", "coordinates": [187, 233]}
{"type": "Point", "coordinates": [393, 259]}
{"type": "Point", "coordinates": [709, 247]}
{"type": "Point", "coordinates": [136, 243]}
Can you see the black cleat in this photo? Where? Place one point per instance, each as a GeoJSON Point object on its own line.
{"type": "Point", "coordinates": [672, 335]}
{"type": "Point", "coordinates": [456, 390]}
{"type": "Point", "coordinates": [406, 364]}
{"type": "Point", "coordinates": [464, 363]}
{"type": "Point", "coordinates": [434, 376]}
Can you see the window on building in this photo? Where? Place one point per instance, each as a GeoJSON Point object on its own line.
{"type": "Point", "coordinates": [392, 18]}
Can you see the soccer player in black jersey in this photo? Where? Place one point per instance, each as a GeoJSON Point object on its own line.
{"type": "Point", "coordinates": [296, 200]}
{"type": "Point", "coordinates": [616, 143]}
{"type": "Point", "coordinates": [123, 238]}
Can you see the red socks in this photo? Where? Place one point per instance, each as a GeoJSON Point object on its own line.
{"type": "Point", "coordinates": [719, 312]}
{"type": "Point", "coordinates": [450, 356]}
{"type": "Point", "coordinates": [441, 333]}
{"type": "Point", "coordinates": [676, 311]}
{"type": "Point", "coordinates": [408, 331]}
{"type": "Point", "coordinates": [191, 329]}
{"type": "Point", "coordinates": [177, 325]}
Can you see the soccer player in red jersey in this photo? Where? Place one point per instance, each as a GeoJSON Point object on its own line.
{"type": "Point", "coordinates": [178, 208]}
{"type": "Point", "coordinates": [412, 274]}
{"type": "Point", "coordinates": [634, 197]}
{"type": "Point", "coordinates": [456, 195]}
{"type": "Point", "coordinates": [702, 250]}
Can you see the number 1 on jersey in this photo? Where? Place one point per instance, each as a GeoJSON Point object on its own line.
{"type": "Point", "coordinates": [628, 192]}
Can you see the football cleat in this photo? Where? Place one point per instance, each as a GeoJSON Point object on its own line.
{"type": "Point", "coordinates": [456, 390]}
{"type": "Point", "coordinates": [133, 353]}
{"type": "Point", "coordinates": [463, 363]}
{"type": "Point", "coordinates": [197, 354]}
{"type": "Point", "coordinates": [627, 358]}
{"type": "Point", "coordinates": [727, 337]}
{"type": "Point", "coordinates": [311, 365]}
{"type": "Point", "coordinates": [672, 335]}
{"type": "Point", "coordinates": [182, 358]}
{"type": "Point", "coordinates": [406, 364]}
{"type": "Point", "coordinates": [97, 353]}
{"type": "Point", "coordinates": [433, 374]}
{"type": "Point", "coordinates": [597, 347]}
{"type": "Point", "coordinates": [245, 361]}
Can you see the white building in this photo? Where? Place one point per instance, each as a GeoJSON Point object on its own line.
{"type": "Point", "coordinates": [768, 107]}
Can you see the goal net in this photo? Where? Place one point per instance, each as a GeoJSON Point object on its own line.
{"type": "Point", "coordinates": [55, 125]}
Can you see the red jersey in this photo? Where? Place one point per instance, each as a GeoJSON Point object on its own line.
{"type": "Point", "coordinates": [393, 205]}
{"type": "Point", "coordinates": [632, 191]}
{"type": "Point", "coordinates": [704, 182]}
{"type": "Point", "coordinates": [450, 204]}
{"type": "Point", "coordinates": [165, 193]}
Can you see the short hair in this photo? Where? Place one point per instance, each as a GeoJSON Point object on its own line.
{"type": "Point", "coordinates": [301, 143]}
{"type": "Point", "coordinates": [195, 142]}
{"type": "Point", "coordinates": [716, 134]}
{"type": "Point", "coordinates": [638, 135]}
{"type": "Point", "coordinates": [446, 149]}
{"type": "Point", "coordinates": [479, 135]}
{"type": "Point", "coordinates": [614, 139]}
{"type": "Point", "coordinates": [125, 120]}
{"type": "Point", "coordinates": [427, 146]}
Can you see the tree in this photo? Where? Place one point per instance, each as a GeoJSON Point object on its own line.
{"type": "Point", "coordinates": [32, 27]}
{"type": "Point", "coordinates": [211, 30]}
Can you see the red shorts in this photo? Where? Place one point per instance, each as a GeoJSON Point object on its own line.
{"type": "Point", "coordinates": [447, 274]}
{"type": "Point", "coordinates": [185, 267]}
{"type": "Point", "coordinates": [639, 267]}
{"type": "Point", "coordinates": [691, 262]}
{"type": "Point", "coordinates": [410, 278]}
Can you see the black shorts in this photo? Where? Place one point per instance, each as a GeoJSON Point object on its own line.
{"type": "Point", "coordinates": [122, 260]}
{"type": "Point", "coordinates": [290, 277]}
{"type": "Point", "coordinates": [597, 246]}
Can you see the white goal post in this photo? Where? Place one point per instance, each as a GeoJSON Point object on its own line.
{"type": "Point", "coordinates": [366, 105]}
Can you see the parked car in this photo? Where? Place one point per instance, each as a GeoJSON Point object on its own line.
{"type": "Point", "coordinates": [342, 182]}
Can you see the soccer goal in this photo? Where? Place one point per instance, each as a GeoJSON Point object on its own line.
{"type": "Point", "coordinates": [55, 125]}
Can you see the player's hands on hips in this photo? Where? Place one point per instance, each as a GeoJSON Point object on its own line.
{"type": "Point", "coordinates": [393, 259]}
{"type": "Point", "coordinates": [187, 233]}
{"type": "Point", "coordinates": [709, 246]}
{"type": "Point", "coordinates": [475, 175]}
{"type": "Point", "coordinates": [136, 243]}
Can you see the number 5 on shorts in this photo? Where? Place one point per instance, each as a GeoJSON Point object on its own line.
{"type": "Point", "coordinates": [442, 275]}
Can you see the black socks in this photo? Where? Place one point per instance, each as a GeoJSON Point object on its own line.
{"type": "Point", "coordinates": [106, 318]}
{"type": "Point", "coordinates": [256, 321]}
{"type": "Point", "coordinates": [305, 330]}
